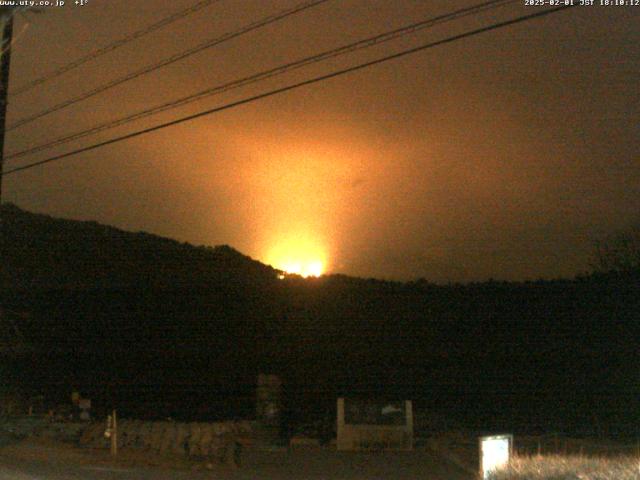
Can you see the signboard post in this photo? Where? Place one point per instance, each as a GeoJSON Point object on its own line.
{"type": "Point", "coordinates": [112, 432]}
{"type": "Point", "coordinates": [114, 435]}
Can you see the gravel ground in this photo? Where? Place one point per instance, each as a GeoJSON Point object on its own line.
{"type": "Point", "coordinates": [39, 459]}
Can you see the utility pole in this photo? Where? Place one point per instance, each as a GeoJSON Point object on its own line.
{"type": "Point", "coordinates": [7, 34]}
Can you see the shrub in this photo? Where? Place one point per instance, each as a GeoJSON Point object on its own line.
{"type": "Point", "coordinates": [570, 467]}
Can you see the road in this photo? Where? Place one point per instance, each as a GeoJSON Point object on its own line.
{"type": "Point", "coordinates": [277, 464]}
{"type": "Point", "coordinates": [42, 471]}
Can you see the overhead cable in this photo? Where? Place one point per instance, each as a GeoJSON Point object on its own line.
{"type": "Point", "coordinates": [294, 86]}
{"type": "Point", "coordinates": [112, 46]}
{"type": "Point", "coordinates": [167, 61]}
{"type": "Point", "coordinates": [218, 89]}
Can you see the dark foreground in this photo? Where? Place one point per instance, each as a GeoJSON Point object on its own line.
{"type": "Point", "coordinates": [39, 460]}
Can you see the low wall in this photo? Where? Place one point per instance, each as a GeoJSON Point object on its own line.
{"type": "Point", "coordinates": [195, 439]}
{"type": "Point", "coordinates": [18, 427]}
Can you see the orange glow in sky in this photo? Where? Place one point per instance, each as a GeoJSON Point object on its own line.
{"type": "Point", "coordinates": [298, 255]}
{"type": "Point", "coordinates": [300, 193]}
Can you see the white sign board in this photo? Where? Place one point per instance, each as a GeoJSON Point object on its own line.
{"type": "Point", "coordinates": [494, 453]}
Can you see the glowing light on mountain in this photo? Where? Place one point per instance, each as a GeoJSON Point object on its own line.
{"type": "Point", "coordinates": [298, 256]}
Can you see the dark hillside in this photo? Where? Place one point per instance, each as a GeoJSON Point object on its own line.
{"type": "Point", "coordinates": [39, 251]}
{"type": "Point", "coordinates": [163, 328]}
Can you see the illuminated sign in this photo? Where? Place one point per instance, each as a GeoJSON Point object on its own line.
{"type": "Point", "coordinates": [494, 453]}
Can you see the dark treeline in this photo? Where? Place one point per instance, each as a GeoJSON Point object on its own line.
{"type": "Point", "coordinates": [161, 328]}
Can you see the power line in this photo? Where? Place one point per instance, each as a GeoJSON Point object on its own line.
{"type": "Point", "coordinates": [352, 47]}
{"type": "Point", "coordinates": [294, 86]}
{"type": "Point", "coordinates": [174, 58]}
{"type": "Point", "coordinates": [114, 45]}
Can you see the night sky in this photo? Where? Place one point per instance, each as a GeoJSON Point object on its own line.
{"type": "Point", "coordinates": [503, 155]}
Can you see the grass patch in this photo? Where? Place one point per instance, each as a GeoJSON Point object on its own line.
{"type": "Point", "coordinates": [570, 467]}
